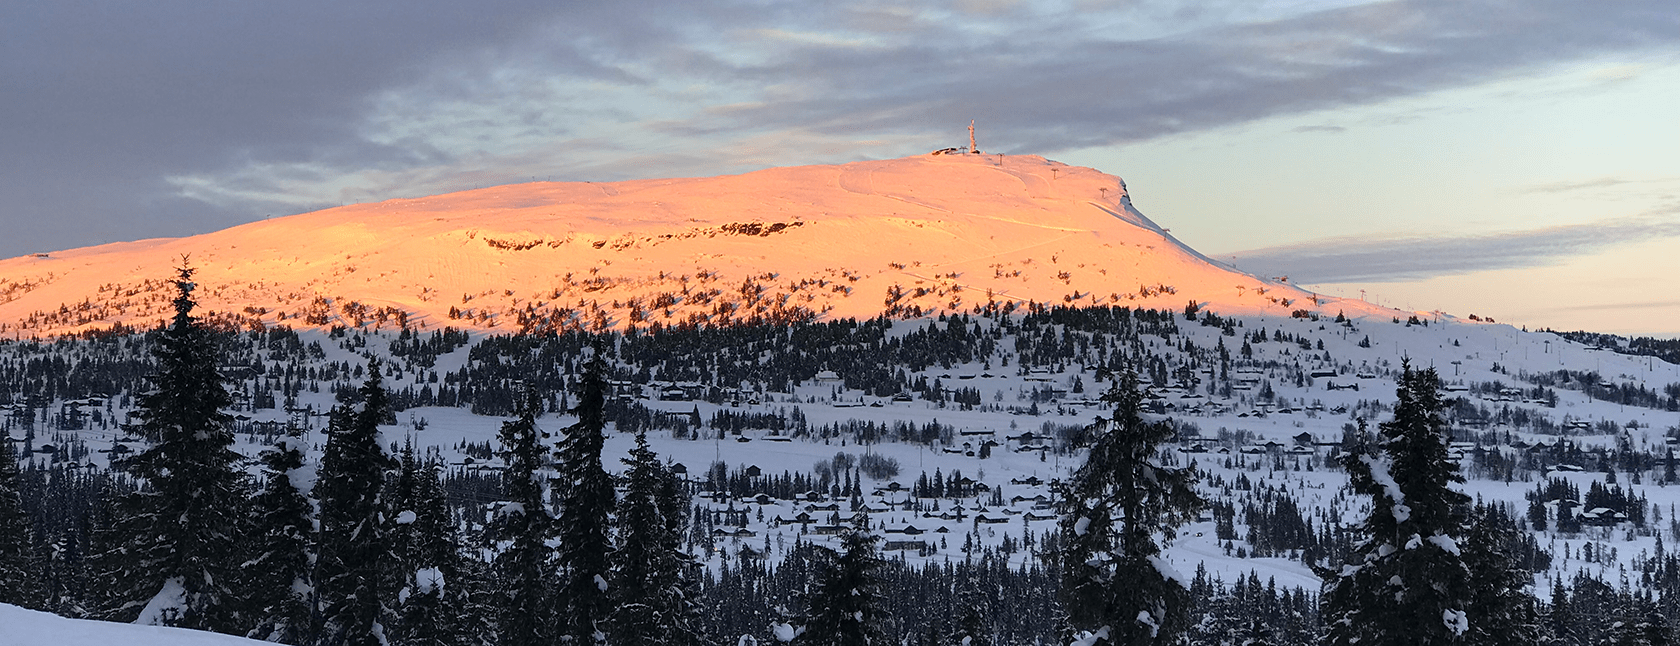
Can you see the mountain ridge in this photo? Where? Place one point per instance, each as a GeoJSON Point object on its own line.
{"type": "Point", "coordinates": [907, 237]}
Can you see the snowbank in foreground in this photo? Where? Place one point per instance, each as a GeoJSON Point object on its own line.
{"type": "Point", "coordinates": [29, 627]}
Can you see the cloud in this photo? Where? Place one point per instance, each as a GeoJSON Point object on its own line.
{"type": "Point", "coordinates": [1365, 260]}
{"type": "Point", "coordinates": [1565, 187]}
{"type": "Point", "coordinates": [167, 118]}
{"type": "Point", "coordinates": [1655, 186]}
{"type": "Point", "coordinates": [1050, 85]}
{"type": "Point", "coordinates": [1646, 305]}
{"type": "Point", "coordinates": [105, 101]}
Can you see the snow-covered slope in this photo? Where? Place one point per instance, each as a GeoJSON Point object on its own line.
{"type": "Point", "coordinates": [20, 627]}
{"type": "Point", "coordinates": [907, 236]}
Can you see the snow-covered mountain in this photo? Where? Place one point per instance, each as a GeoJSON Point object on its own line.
{"type": "Point", "coordinates": [918, 235]}
{"type": "Point", "coordinates": [965, 421]}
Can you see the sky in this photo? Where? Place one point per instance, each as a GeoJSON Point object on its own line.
{"type": "Point", "coordinates": [1515, 160]}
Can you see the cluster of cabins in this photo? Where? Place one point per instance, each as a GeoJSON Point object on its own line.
{"type": "Point", "coordinates": [816, 513]}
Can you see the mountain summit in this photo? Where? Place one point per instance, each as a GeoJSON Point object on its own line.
{"type": "Point", "coordinates": [902, 237]}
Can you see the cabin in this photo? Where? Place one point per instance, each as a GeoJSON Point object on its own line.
{"type": "Point", "coordinates": [801, 518]}
{"type": "Point", "coordinates": [904, 546]}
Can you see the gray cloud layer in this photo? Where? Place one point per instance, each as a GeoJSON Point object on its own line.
{"type": "Point", "coordinates": [1363, 260]}
{"type": "Point", "coordinates": [105, 101]}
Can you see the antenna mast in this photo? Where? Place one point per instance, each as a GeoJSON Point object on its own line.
{"type": "Point", "coordinates": [972, 149]}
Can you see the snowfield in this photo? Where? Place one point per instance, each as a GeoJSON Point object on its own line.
{"type": "Point", "coordinates": [20, 627]}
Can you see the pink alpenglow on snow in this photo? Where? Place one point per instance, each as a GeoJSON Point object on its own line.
{"type": "Point", "coordinates": [904, 237]}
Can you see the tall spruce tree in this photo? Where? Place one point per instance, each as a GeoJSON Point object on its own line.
{"type": "Point", "coordinates": [19, 578]}
{"type": "Point", "coordinates": [1558, 620]}
{"type": "Point", "coordinates": [649, 604]}
{"type": "Point", "coordinates": [1405, 583]}
{"type": "Point", "coordinates": [425, 556]}
{"type": "Point", "coordinates": [1115, 589]}
{"type": "Point", "coordinates": [846, 608]}
{"type": "Point", "coordinates": [276, 580]}
{"type": "Point", "coordinates": [974, 623]}
{"type": "Point", "coordinates": [183, 548]}
{"type": "Point", "coordinates": [524, 569]}
{"type": "Point", "coordinates": [1502, 608]}
{"type": "Point", "coordinates": [353, 570]}
{"type": "Point", "coordinates": [688, 624]}
{"type": "Point", "coordinates": [585, 519]}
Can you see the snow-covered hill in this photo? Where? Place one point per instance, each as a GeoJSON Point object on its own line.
{"type": "Point", "coordinates": [917, 235]}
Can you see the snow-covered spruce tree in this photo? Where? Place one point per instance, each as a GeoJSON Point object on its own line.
{"type": "Point", "coordinates": [845, 609]}
{"type": "Point", "coordinates": [974, 623]}
{"type": "Point", "coordinates": [1558, 620]}
{"type": "Point", "coordinates": [1254, 633]}
{"type": "Point", "coordinates": [425, 556]}
{"type": "Point", "coordinates": [1115, 588]}
{"type": "Point", "coordinates": [184, 549]}
{"type": "Point", "coordinates": [1502, 608]}
{"type": "Point", "coordinates": [689, 625]}
{"type": "Point", "coordinates": [1653, 629]}
{"type": "Point", "coordinates": [585, 519]}
{"type": "Point", "coordinates": [18, 576]}
{"type": "Point", "coordinates": [649, 567]}
{"type": "Point", "coordinates": [1406, 582]}
{"type": "Point", "coordinates": [276, 580]}
{"type": "Point", "coordinates": [97, 587]}
{"type": "Point", "coordinates": [353, 568]}
{"type": "Point", "coordinates": [524, 568]}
